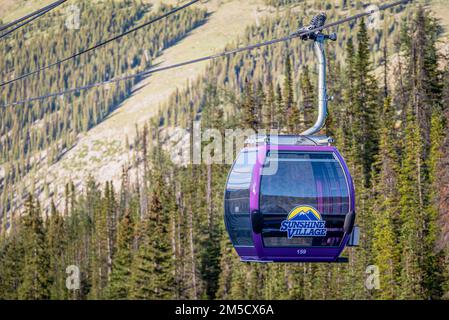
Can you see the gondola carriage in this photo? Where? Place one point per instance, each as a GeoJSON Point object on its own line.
{"type": "Point", "coordinates": [291, 198]}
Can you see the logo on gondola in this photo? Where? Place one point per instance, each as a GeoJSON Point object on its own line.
{"type": "Point", "coordinates": [304, 221]}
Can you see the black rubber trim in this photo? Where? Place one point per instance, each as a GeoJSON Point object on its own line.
{"type": "Point", "coordinates": [257, 221]}
{"type": "Point", "coordinates": [349, 223]}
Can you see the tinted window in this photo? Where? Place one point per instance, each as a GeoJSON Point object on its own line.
{"type": "Point", "coordinates": [237, 213]}
{"type": "Point", "coordinates": [313, 179]}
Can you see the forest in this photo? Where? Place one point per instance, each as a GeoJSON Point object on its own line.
{"type": "Point", "coordinates": [43, 131]}
{"type": "Point", "coordinates": [162, 235]}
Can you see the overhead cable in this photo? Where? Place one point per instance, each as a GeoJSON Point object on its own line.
{"type": "Point", "coordinates": [29, 18]}
{"type": "Point", "coordinates": [100, 44]}
{"type": "Point", "coordinates": [205, 58]}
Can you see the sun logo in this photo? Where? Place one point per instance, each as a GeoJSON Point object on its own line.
{"type": "Point", "coordinates": [304, 221]}
{"type": "Point", "coordinates": [305, 213]}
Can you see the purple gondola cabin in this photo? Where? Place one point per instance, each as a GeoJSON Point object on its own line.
{"type": "Point", "coordinates": [290, 199]}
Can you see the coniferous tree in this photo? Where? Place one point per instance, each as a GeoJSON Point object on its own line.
{"type": "Point", "coordinates": [142, 265]}
{"type": "Point", "coordinates": [443, 192]}
{"type": "Point", "coordinates": [385, 209]}
{"type": "Point", "coordinates": [227, 258]}
{"type": "Point", "coordinates": [280, 110]}
{"type": "Point", "coordinates": [365, 95]}
{"type": "Point", "coordinates": [100, 263]}
{"type": "Point", "coordinates": [360, 115]}
{"type": "Point", "coordinates": [119, 284]}
{"type": "Point", "coordinates": [433, 256]}
{"type": "Point", "coordinates": [275, 283]}
{"type": "Point", "coordinates": [248, 106]}
{"type": "Point", "coordinates": [424, 79]}
{"type": "Point", "coordinates": [12, 256]}
{"type": "Point", "coordinates": [35, 281]}
{"type": "Point", "coordinates": [412, 214]}
{"type": "Point", "coordinates": [291, 110]}
{"type": "Point", "coordinates": [260, 103]}
{"type": "Point", "coordinates": [348, 110]}
{"type": "Point", "coordinates": [152, 273]}
{"type": "Point", "coordinates": [423, 92]}
{"type": "Point", "coordinates": [269, 111]}
{"type": "Point", "coordinates": [57, 242]}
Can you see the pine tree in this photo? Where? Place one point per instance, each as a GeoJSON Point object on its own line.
{"type": "Point", "coordinates": [288, 86]}
{"type": "Point", "coordinates": [295, 282]}
{"type": "Point", "coordinates": [275, 282]}
{"type": "Point", "coordinates": [141, 283]}
{"type": "Point", "coordinates": [99, 244]}
{"type": "Point", "coordinates": [240, 280]}
{"type": "Point", "coordinates": [280, 110]}
{"type": "Point", "coordinates": [119, 284]}
{"type": "Point", "coordinates": [291, 110]}
{"type": "Point", "coordinates": [423, 88]}
{"type": "Point", "coordinates": [433, 255]}
{"type": "Point", "coordinates": [12, 256]}
{"type": "Point", "coordinates": [211, 225]}
{"type": "Point", "coordinates": [228, 259]}
{"type": "Point", "coordinates": [365, 121]}
{"type": "Point", "coordinates": [260, 103]}
{"type": "Point", "coordinates": [348, 110]}
{"type": "Point", "coordinates": [442, 182]}
{"type": "Point", "coordinates": [360, 121]}
{"type": "Point", "coordinates": [35, 281]}
{"type": "Point", "coordinates": [423, 76]}
{"type": "Point", "coordinates": [152, 273]}
{"type": "Point", "coordinates": [248, 108]}
{"type": "Point", "coordinates": [269, 111]}
{"type": "Point", "coordinates": [385, 251]}
{"type": "Point", "coordinates": [56, 237]}
{"type": "Point", "coordinates": [412, 214]}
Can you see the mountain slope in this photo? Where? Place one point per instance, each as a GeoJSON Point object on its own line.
{"type": "Point", "coordinates": [102, 151]}
{"type": "Point", "coordinates": [13, 9]}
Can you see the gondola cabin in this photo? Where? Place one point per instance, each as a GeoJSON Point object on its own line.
{"type": "Point", "coordinates": [290, 199]}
